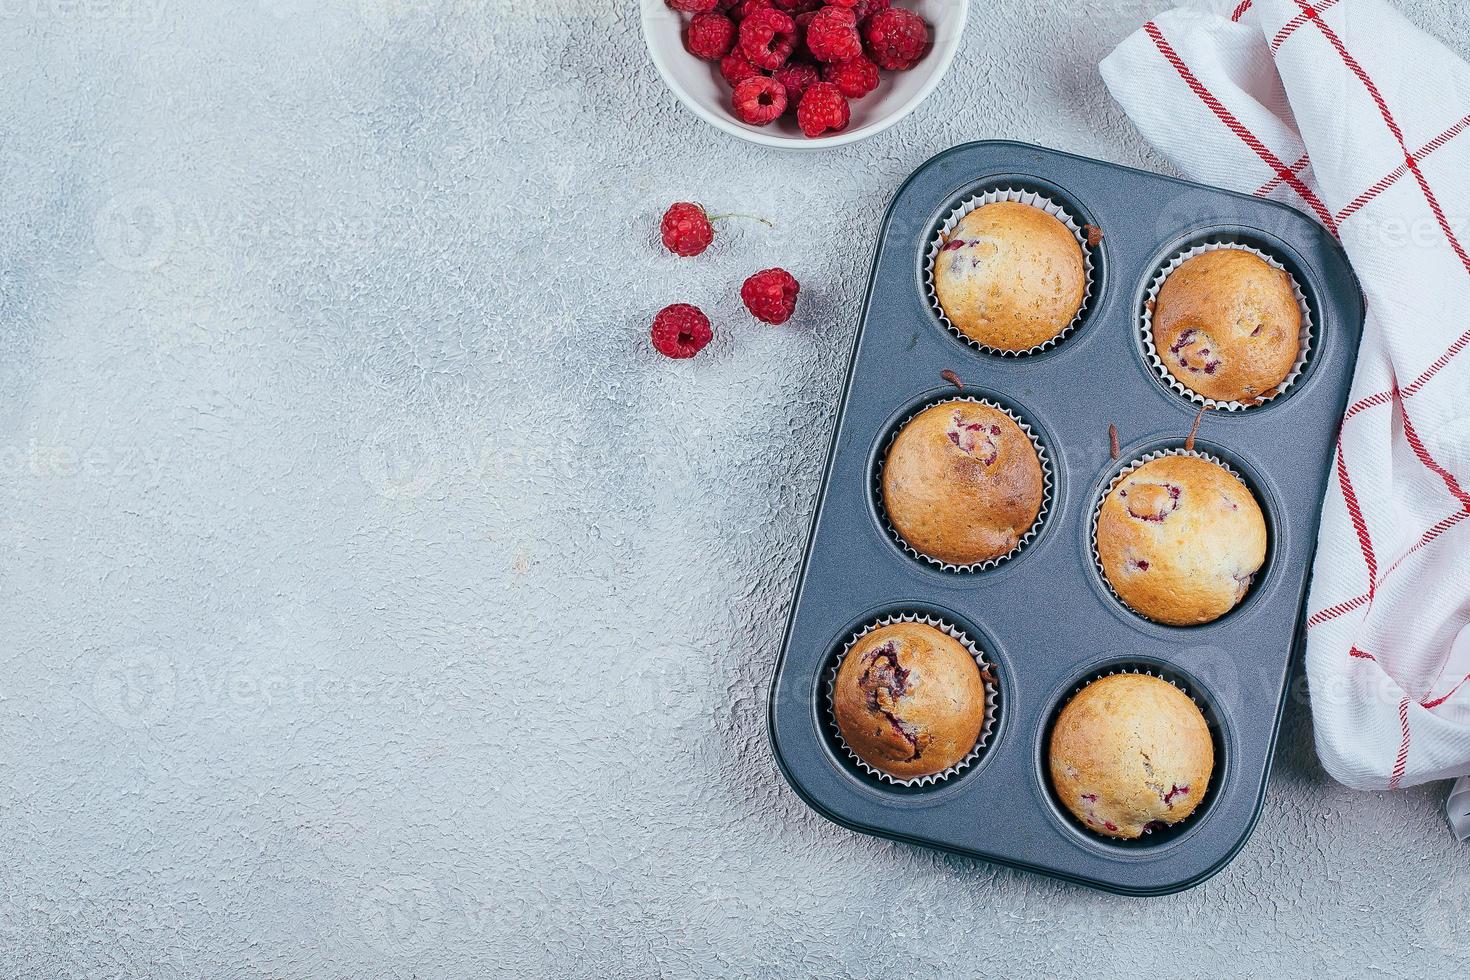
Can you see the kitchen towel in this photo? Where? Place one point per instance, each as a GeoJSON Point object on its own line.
{"type": "Point", "coordinates": [1345, 110]}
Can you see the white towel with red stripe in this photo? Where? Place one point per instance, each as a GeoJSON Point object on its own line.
{"type": "Point", "coordinates": [1345, 110]}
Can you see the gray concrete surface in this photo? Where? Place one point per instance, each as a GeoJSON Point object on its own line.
{"type": "Point", "coordinates": [376, 604]}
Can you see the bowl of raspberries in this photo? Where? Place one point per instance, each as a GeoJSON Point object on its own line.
{"type": "Point", "coordinates": [803, 73]}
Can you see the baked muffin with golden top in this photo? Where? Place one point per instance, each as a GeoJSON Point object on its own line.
{"type": "Point", "coordinates": [1227, 325]}
{"type": "Point", "coordinates": [909, 700]}
{"type": "Point", "coordinates": [1180, 540]}
{"type": "Point", "coordinates": [1010, 276]}
{"type": "Point", "coordinates": [1130, 753]}
{"type": "Point", "coordinates": [962, 483]}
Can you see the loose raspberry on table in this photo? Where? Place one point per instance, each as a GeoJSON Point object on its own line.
{"type": "Point", "coordinates": [794, 78]}
{"type": "Point", "coordinates": [822, 107]}
{"type": "Point", "coordinates": [767, 37]}
{"type": "Point", "coordinates": [692, 6]}
{"type": "Point", "coordinates": [736, 68]}
{"type": "Point", "coordinates": [833, 35]}
{"type": "Point", "coordinates": [855, 78]}
{"type": "Point", "coordinates": [897, 38]}
{"type": "Point", "coordinates": [770, 295]}
{"type": "Point", "coordinates": [709, 36]}
{"type": "Point", "coordinates": [686, 229]}
{"type": "Point", "coordinates": [759, 100]}
{"type": "Point", "coordinates": [681, 331]}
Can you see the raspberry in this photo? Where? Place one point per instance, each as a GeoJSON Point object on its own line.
{"type": "Point", "coordinates": [709, 36]}
{"type": "Point", "coordinates": [744, 8]}
{"type": "Point", "coordinates": [686, 229]}
{"type": "Point", "coordinates": [794, 78]}
{"type": "Point", "coordinates": [833, 35]}
{"type": "Point", "coordinates": [767, 37]}
{"type": "Point", "coordinates": [759, 100]}
{"type": "Point", "coordinates": [692, 6]}
{"type": "Point", "coordinates": [866, 8]}
{"type": "Point", "coordinates": [897, 38]}
{"type": "Point", "coordinates": [803, 23]}
{"type": "Point", "coordinates": [855, 78]}
{"type": "Point", "coordinates": [681, 331]}
{"type": "Point", "coordinates": [770, 295]}
{"type": "Point", "coordinates": [822, 108]}
{"type": "Point", "coordinates": [843, 3]}
{"type": "Point", "coordinates": [736, 68]}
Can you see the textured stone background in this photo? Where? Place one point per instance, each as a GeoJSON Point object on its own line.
{"type": "Point", "coordinates": [375, 603]}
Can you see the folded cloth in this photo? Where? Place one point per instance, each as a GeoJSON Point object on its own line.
{"type": "Point", "coordinates": [1348, 112]}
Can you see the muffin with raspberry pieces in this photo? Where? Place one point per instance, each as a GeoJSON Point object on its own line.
{"type": "Point", "coordinates": [1130, 753]}
{"type": "Point", "coordinates": [1227, 325]}
{"type": "Point", "coordinates": [1010, 276]}
{"type": "Point", "coordinates": [909, 700]}
{"type": "Point", "coordinates": [962, 483]}
{"type": "Point", "coordinates": [1180, 539]}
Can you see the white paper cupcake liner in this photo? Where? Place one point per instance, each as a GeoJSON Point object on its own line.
{"type": "Point", "coordinates": [1118, 478]}
{"type": "Point", "coordinates": [1147, 671]}
{"type": "Point", "coordinates": [1151, 354]}
{"type": "Point", "coordinates": [987, 676]}
{"type": "Point", "coordinates": [1018, 196]}
{"type": "Point", "coordinates": [1021, 543]}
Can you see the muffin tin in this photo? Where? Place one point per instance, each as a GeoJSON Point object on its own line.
{"type": "Point", "coordinates": [1044, 617]}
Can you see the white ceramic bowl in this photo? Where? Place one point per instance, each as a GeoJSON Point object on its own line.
{"type": "Point", "coordinates": [699, 86]}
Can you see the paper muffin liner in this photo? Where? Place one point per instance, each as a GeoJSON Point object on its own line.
{"type": "Point", "coordinates": [1021, 543]}
{"type": "Point", "coordinates": [1118, 478]}
{"type": "Point", "coordinates": [1146, 670]}
{"type": "Point", "coordinates": [1019, 196]}
{"type": "Point", "coordinates": [987, 677]}
{"type": "Point", "coordinates": [1151, 353]}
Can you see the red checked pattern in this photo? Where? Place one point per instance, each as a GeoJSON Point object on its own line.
{"type": "Point", "coordinates": [1375, 98]}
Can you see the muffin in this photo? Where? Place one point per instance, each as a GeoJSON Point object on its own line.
{"type": "Point", "coordinates": [1010, 276]}
{"type": "Point", "coordinates": [909, 700]}
{"type": "Point", "coordinates": [1180, 538]}
{"type": "Point", "coordinates": [1130, 753]}
{"type": "Point", "coordinates": [962, 483]}
{"type": "Point", "coordinates": [1227, 325]}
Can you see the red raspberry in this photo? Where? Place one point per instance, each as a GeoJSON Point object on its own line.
{"type": "Point", "coordinates": [759, 100]}
{"type": "Point", "coordinates": [767, 37]}
{"type": "Point", "coordinates": [709, 36]}
{"type": "Point", "coordinates": [843, 3]}
{"type": "Point", "coordinates": [897, 38]}
{"type": "Point", "coordinates": [692, 6]}
{"type": "Point", "coordinates": [770, 295]}
{"type": "Point", "coordinates": [794, 78]}
{"type": "Point", "coordinates": [855, 78]}
{"type": "Point", "coordinates": [822, 108]}
{"type": "Point", "coordinates": [744, 8]}
{"type": "Point", "coordinates": [681, 330]}
{"type": "Point", "coordinates": [803, 22]}
{"type": "Point", "coordinates": [833, 35]}
{"type": "Point", "coordinates": [866, 8]}
{"type": "Point", "coordinates": [736, 68]}
{"type": "Point", "coordinates": [686, 229]}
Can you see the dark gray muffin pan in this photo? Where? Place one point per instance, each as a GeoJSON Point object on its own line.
{"type": "Point", "coordinates": [1044, 617]}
